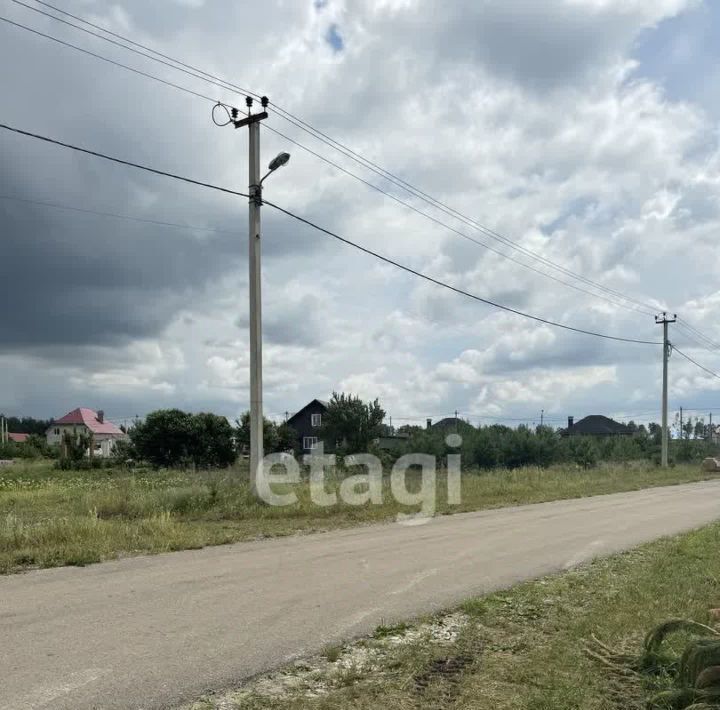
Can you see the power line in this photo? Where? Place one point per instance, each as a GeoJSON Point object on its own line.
{"type": "Point", "coordinates": [130, 164]}
{"type": "Point", "coordinates": [695, 330]}
{"type": "Point", "coordinates": [106, 59]}
{"type": "Point", "coordinates": [697, 364]}
{"type": "Point", "coordinates": [415, 192]}
{"type": "Point", "coordinates": [445, 225]}
{"type": "Point", "coordinates": [688, 334]}
{"type": "Point", "coordinates": [385, 259]}
{"type": "Point", "coordinates": [205, 75]}
{"type": "Point", "coordinates": [460, 291]}
{"type": "Point", "coordinates": [115, 215]}
{"type": "Point", "coordinates": [319, 135]}
{"type": "Point", "coordinates": [701, 409]}
{"type": "Point", "coordinates": [694, 334]}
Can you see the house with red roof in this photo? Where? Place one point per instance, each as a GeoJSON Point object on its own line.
{"type": "Point", "coordinates": [103, 434]}
{"type": "Point", "coordinates": [18, 438]}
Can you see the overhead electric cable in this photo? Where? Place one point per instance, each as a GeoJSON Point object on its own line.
{"type": "Point", "coordinates": [460, 291]}
{"type": "Point", "coordinates": [130, 164]}
{"type": "Point", "coordinates": [694, 362]}
{"type": "Point", "coordinates": [294, 120]}
{"type": "Point", "coordinates": [108, 60]}
{"type": "Point", "coordinates": [696, 340]}
{"type": "Point", "coordinates": [370, 252]}
{"type": "Point", "coordinates": [692, 331]}
{"type": "Point", "coordinates": [115, 215]}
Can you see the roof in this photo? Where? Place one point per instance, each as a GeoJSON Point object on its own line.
{"type": "Point", "coordinates": [452, 423]}
{"type": "Point", "coordinates": [18, 438]}
{"type": "Point", "coordinates": [598, 424]}
{"type": "Point", "coordinates": [323, 403]}
{"type": "Point", "coordinates": [89, 417]}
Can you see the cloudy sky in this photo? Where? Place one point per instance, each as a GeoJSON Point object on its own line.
{"type": "Point", "coordinates": [585, 131]}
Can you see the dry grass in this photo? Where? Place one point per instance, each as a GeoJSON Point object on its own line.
{"type": "Point", "coordinates": [50, 518]}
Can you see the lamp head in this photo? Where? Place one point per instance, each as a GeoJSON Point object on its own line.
{"type": "Point", "coordinates": [278, 161]}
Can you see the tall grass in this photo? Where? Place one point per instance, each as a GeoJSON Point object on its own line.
{"type": "Point", "coordinates": [50, 517]}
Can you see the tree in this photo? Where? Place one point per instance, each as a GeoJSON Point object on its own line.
{"type": "Point", "coordinates": [163, 438]}
{"type": "Point", "coordinates": [350, 423]}
{"type": "Point", "coordinates": [27, 425]}
{"type": "Point", "coordinates": [699, 431]}
{"type": "Point", "coordinates": [275, 438]}
{"type": "Point", "coordinates": [75, 447]}
{"type": "Point", "coordinates": [688, 428]}
{"type": "Point", "coordinates": [655, 432]}
{"type": "Point", "coordinates": [212, 441]}
{"type": "Point", "coordinates": [583, 451]}
{"type": "Point", "coordinates": [171, 437]}
{"type": "Point", "coordinates": [287, 437]}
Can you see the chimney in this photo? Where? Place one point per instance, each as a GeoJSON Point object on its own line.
{"type": "Point", "coordinates": [428, 423]}
{"type": "Point", "coordinates": [101, 416]}
{"type": "Point", "coordinates": [571, 421]}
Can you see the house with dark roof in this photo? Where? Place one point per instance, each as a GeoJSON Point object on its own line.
{"type": "Point", "coordinates": [307, 422]}
{"type": "Point", "coordinates": [103, 434]}
{"type": "Point", "coordinates": [595, 425]}
{"type": "Point", "coordinates": [450, 425]}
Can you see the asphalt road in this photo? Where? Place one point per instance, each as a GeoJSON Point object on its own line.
{"type": "Point", "coordinates": [153, 632]}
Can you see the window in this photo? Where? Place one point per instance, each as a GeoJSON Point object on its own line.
{"type": "Point", "coordinates": [57, 432]}
{"type": "Point", "coordinates": [310, 442]}
{"type": "Point", "coordinates": [315, 419]}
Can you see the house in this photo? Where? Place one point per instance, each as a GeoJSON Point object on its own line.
{"type": "Point", "coordinates": [104, 434]}
{"type": "Point", "coordinates": [450, 425]}
{"type": "Point", "coordinates": [595, 425]}
{"type": "Point", "coordinates": [18, 438]}
{"type": "Point", "coordinates": [307, 423]}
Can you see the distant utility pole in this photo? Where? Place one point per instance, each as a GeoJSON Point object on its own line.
{"type": "Point", "coordinates": [542, 416]}
{"type": "Point", "coordinates": [252, 121]}
{"type": "Point", "coordinates": [666, 356]}
{"type": "Point", "coordinates": [710, 429]}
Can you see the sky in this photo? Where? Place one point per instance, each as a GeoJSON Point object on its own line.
{"type": "Point", "coordinates": [584, 131]}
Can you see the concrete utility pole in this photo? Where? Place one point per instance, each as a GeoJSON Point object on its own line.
{"type": "Point", "coordinates": [252, 121]}
{"type": "Point", "coordinates": [542, 416]}
{"type": "Point", "coordinates": [666, 356]}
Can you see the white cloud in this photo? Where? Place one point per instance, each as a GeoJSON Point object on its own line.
{"type": "Point", "coordinates": [526, 116]}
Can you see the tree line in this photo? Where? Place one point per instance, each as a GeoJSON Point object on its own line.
{"type": "Point", "coordinates": [173, 438]}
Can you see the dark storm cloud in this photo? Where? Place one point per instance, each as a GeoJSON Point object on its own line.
{"type": "Point", "coordinates": [84, 279]}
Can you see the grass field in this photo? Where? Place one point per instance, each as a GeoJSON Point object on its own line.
{"type": "Point", "coordinates": [51, 518]}
{"type": "Point", "coordinates": [521, 649]}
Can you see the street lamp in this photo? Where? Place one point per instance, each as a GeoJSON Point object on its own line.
{"type": "Point", "coordinates": [277, 162]}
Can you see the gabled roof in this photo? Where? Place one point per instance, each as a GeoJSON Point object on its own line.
{"type": "Point", "coordinates": [88, 417]}
{"type": "Point", "coordinates": [323, 403]}
{"type": "Point", "coordinates": [598, 424]}
{"type": "Point", "coordinates": [18, 438]}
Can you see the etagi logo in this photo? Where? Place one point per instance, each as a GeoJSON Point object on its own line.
{"type": "Point", "coordinates": [365, 488]}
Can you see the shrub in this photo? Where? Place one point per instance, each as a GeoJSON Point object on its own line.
{"type": "Point", "coordinates": [171, 437]}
